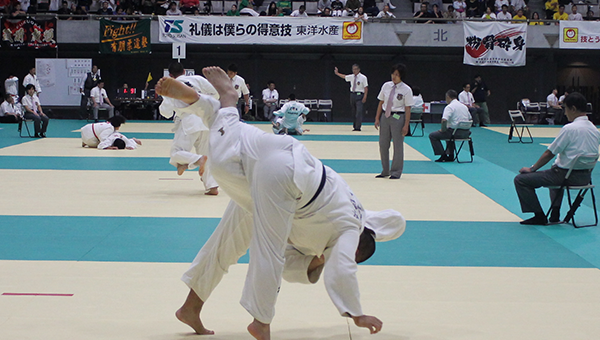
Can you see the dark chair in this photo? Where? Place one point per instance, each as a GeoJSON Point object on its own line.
{"type": "Point", "coordinates": [591, 160]}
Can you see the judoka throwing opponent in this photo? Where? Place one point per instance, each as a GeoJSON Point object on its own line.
{"type": "Point", "coordinates": [297, 217]}
{"type": "Point", "coordinates": [190, 131]}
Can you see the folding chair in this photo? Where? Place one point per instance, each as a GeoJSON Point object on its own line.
{"type": "Point", "coordinates": [530, 110]}
{"type": "Point", "coordinates": [515, 115]}
{"type": "Point", "coordinates": [462, 126]}
{"type": "Point", "coordinates": [312, 105]}
{"type": "Point", "coordinates": [590, 161]}
{"type": "Point", "coordinates": [325, 107]}
{"type": "Point", "coordinates": [24, 123]}
{"type": "Point", "coordinates": [416, 118]}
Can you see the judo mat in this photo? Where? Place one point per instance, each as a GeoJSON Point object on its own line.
{"type": "Point", "coordinates": [93, 243]}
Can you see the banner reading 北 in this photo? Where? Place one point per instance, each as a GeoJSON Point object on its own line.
{"type": "Point", "coordinates": [579, 34]}
{"type": "Point", "coordinates": [495, 44]}
{"type": "Point", "coordinates": [29, 33]}
{"type": "Point", "coordinates": [259, 30]}
{"type": "Point", "coordinates": [117, 37]}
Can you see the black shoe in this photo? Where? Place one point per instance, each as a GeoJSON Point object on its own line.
{"type": "Point", "coordinates": [536, 220]}
{"type": "Point", "coordinates": [482, 125]}
{"type": "Point", "coordinates": [443, 158]}
{"type": "Point", "coordinates": [43, 135]}
{"type": "Point", "coordinates": [473, 125]}
{"type": "Point", "coordinates": [554, 216]}
{"type": "Point", "coordinates": [394, 177]}
{"type": "Point", "coordinates": [381, 176]}
{"type": "Point", "coordinates": [356, 130]}
{"type": "Point", "coordinates": [37, 136]}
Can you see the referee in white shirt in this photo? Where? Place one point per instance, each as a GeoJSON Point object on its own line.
{"type": "Point", "coordinates": [359, 88]}
{"type": "Point", "coordinates": [239, 84]}
{"type": "Point", "coordinates": [270, 97]}
{"type": "Point", "coordinates": [576, 139]}
{"type": "Point", "coordinates": [454, 114]}
{"type": "Point", "coordinates": [395, 100]}
{"type": "Point", "coordinates": [101, 101]}
{"type": "Point", "coordinates": [466, 97]}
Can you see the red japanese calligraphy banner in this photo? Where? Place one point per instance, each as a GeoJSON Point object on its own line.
{"type": "Point", "coordinates": [579, 34]}
{"type": "Point", "coordinates": [119, 37]}
{"type": "Point", "coordinates": [260, 30]}
{"type": "Point", "coordinates": [29, 33]}
{"type": "Point", "coordinates": [494, 43]}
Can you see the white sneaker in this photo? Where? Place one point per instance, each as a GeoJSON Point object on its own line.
{"type": "Point", "coordinates": [391, 6]}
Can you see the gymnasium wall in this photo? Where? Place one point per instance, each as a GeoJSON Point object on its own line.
{"type": "Point", "coordinates": [308, 71]}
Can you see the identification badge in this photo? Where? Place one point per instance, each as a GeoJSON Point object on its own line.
{"type": "Point", "coordinates": [397, 116]}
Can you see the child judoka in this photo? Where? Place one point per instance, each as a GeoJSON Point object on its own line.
{"type": "Point", "coordinates": [190, 131]}
{"type": "Point", "coordinates": [297, 217]}
{"type": "Point", "coordinates": [93, 134]}
{"type": "Point", "coordinates": [290, 117]}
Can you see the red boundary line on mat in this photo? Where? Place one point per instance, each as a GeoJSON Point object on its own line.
{"type": "Point", "coordinates": [35, 294]}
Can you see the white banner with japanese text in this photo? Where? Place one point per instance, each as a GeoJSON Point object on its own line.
{"type": "Point", "coordinates": [579, 34]}
{"type": "Point", "coordinates": [495, 43]}
{"type": "Point", "coordinates": [259, 30]}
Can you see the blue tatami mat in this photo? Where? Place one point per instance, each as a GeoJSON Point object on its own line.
{"type": "Point", "coordinates": [140, 239]}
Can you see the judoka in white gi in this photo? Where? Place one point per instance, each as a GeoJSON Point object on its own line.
{"type": "Point", "coordinates": [93, 134]}
{"type": "Point", "coordinates": [118, 141]}
{"type": "Point", "coordinates": [296, 216]}
{"type": "Point", "coordinates": [291, 116]}
{"type": "Point", "coordinates": [190, 131]}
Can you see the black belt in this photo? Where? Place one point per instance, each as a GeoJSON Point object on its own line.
{"type": "Point", "coordinates": [357, 92]}
{"type": "Point", "coordinates": [321, 185]}
{"type": "Point", "coordinates": [397, 112]}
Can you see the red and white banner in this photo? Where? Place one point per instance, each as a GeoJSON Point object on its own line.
{"type": "Point", "coordinates": [494, 43]}
{"type": "Point", "coordinates": [580, 34]}
{"type": "Point", "coordinates": [260, 30]}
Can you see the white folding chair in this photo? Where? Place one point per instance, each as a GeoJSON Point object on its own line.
{"type": "Point", "coordinates": [589, 162]}
{"type": "Point", "coordinates": [283, 102]}
{"type": "Point", "coordinates": [518, 121]}
{"type": "Point", "coordinates": [325, 108]}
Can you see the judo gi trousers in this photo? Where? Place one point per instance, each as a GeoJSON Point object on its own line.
{"type": "Point", "coordinates": [181, 148]}
{"type": "Point", "coordinates": [391, 129]}
{"type": "Point", "coordinates": [264, 231]}
{"type": "Point", "coordinates": [525, 185]}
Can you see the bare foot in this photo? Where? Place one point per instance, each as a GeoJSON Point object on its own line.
{"type": "Point", "coordinates": [212, 191]}
{"type": "Point", "coordinates": [172, 88]}
{"type": "Point", "coordinates": [259, 330]}
{"type": "Point", "coordinates": [181, 168]}
{"type": "Point", "coordinates": [201, 163]}
{"type": "Point", "coordinates": [189, 313]}
{"type": "Point", "coordinates": [219, 79]}
{"type": "Point", "coordinates": [192, 319]}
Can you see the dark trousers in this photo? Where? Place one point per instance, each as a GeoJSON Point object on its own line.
{"type": "Point", "coordinates": [436, 138]}
{"type": "Point", "coordinates": [9, 119]}
{"type": "Point", "coordinates": [475, 112]}
{"type": "Point", "coordinates": [240, 106]}
{"type": "Point", "coordinates": [83, 104]}
{"type": "Point", "coordinates": [357, 107]}
{"type": "Point", "coordinates": [484, 114]}
{"type": "Point", "coordinates": [40, 122]}
{"type": "Point", "coordinates": [525, 185]}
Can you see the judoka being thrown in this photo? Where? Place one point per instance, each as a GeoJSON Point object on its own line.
{"type": "Point", "coordinates": [297, 217]}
